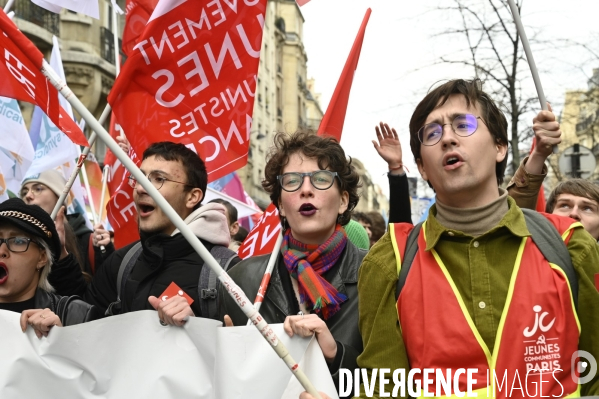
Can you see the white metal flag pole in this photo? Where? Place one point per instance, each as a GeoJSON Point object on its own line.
{"type": "Point", "coordinates": [266, 278]}
{"type": "Point", "coordinates": [8, 6]}
{"type": "Point", "coordinates": [90, 198]}
{"type": "Point", "coordinates": [115, 33]}
{"type": "Point", "coordinates": [232, 289]}
{"type": "Point", "coordinates": [530, 58]}
{"type": "Point", "coordinates": [82, 157]}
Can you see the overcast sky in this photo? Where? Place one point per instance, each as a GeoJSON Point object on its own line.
{"type": "Point", "coordinates": [394, 70]}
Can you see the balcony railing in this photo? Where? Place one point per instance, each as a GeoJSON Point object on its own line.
{"type": "Point", "coordinates": [28, 11]}
{"type": "Point", "coordinates": [107, 45]}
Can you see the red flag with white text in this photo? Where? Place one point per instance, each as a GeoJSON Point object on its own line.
{"type": "Point", "coordinates": [121, 210]}
{"type": "Point", "coordinates": [261, 240]}
{"type": "Point", "coordinates": [191, 79]}
{"type": "Point", "coordinates": [23, 80]}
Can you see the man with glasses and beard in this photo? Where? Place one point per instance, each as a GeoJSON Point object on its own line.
{"type": "Point", "coordinates": [165, 256]}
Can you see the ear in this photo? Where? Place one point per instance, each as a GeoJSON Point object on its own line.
{"type": "Point", "coordinates": [281, 209]}
{"type": "Point", "coordinates": [42, 261]}
{"type": "Point", "coordinates": [421, 169]}
{"type": "Point", "coordinates": [194, 197]}
{"type": "Point", "coordinates": [234, 228]}
{"type": "Point", "coordinates": [344, 202]}
{"type": "Point", "coordinates": [501, 152]}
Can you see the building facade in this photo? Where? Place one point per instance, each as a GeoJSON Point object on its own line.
{"type": "Point", "coordinates": [285, 101]}
{"type": "Point", "coordinates": [579, 123]}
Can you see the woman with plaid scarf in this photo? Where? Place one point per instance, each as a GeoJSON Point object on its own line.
{"type": "Point", "coordinates": [313, 287]}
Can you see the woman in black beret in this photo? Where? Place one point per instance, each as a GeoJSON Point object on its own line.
{"type": "Point", "coordinates": [29, 244]}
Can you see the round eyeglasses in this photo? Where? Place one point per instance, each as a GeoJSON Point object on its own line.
{"type": "Point", "coordinates": [463, 125]}
{"type": "Point", "coordinates": [156, 179]}
{"type": "Point", "coordinates": [36, 189]}
{"type": "Point", "coordinates": [321, 180]}
{"type": "Point", "coordinates": [17, 244]}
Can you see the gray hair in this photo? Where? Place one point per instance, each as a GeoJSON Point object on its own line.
{"type": "Point", "coordinates": [43, 282]}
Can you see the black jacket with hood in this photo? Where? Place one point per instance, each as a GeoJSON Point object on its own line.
{"type": "Point", "coordinates": [164, 259]}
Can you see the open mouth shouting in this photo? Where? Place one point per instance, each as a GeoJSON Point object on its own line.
{"type": "Point", "coordinates": [452, 161]}
{"type": "Point", "coordinates": [3, 273]}
{"type": "Point", "coordinates": [307, 209]}
{"type": "Point", "coordinates": [145, 209]}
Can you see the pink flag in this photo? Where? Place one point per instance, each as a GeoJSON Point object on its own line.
{"type": "Point", "coordinates": [301, 2]}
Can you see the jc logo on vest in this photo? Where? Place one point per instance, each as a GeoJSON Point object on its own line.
{"type": "Point", "coordinates": [538, 323]}
{"type": "Point", "coordinates": [542, 352]}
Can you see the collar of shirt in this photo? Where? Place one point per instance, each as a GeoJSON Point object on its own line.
{"type": "Point", "coordinates": [513, 220]}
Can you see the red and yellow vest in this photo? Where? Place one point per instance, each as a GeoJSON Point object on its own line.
{"type": "Point", "coordinates": [538, 328]}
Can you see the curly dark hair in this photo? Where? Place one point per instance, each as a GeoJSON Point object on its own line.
{"type": "Point", "coordinates": [492, 116]}
{"type": "Point", "coordinates": [329, 155]}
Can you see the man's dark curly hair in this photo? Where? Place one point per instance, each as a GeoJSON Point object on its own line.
{"type": "Point", "coordinates": [329, 155]}
{"type": "Point", "coordinates": [492, 116]}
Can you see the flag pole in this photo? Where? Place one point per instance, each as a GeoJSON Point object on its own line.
{"type": "Point", "coordinates": [266, 278]}
{"type": "Point", "coordinates": [232, 289]}
{"type": "Point", "coordinates": [105, 174]}
{"type": "Point", "coordinates": [89, 193]}
{"type": "Point", "coordinates": [8, 6]}
{"type": "Point", "coordinates": [117, 51]}
{"type": "Point", "coordinates": [530, 59]}
{"type": "Point", "coordinates": [82, 157]}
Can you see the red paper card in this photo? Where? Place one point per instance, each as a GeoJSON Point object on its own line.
{"type": "Point", "coordinates": [174, 290]}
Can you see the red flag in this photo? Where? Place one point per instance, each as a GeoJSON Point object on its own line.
{"type": "Point", "coordinates": [121, 210]}
{"type": "Point", "coordinates": [23, 80]}
{"type": "Point", "coordinates": [333, 119]}
{"type": "Point", "coordinates": [541, 202]}
{"type": "Point", "coordinates": [301, 2]}
{"type": "Point", "coordinates": [261, 240]}
{"type": "Point", "coordinates": [192, 78]}
{"type": "Point", "coordinates": [138, 14]}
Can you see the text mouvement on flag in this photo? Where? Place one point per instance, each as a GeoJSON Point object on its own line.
{"type": "Point", "coordinates": [191, 78]}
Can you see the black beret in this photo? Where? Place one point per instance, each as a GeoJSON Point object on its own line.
{"type": "Point", "coordinates": [33, 220]}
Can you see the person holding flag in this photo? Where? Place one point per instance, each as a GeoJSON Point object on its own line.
{"type": "Point", "coordinates": [574, 198]}
{"type": "Point", "coordinates": [495, 267]}
{"type": "Point", "coordinates": [313, 288]}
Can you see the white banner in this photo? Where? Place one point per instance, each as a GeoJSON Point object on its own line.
{"type": "Point", "coordinates": [87, 7]}
{"type": "Point", "coordinates": [133, 356]}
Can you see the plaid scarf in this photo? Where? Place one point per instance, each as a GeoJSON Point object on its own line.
{"type": "Point", "coordinates": [307, 264]}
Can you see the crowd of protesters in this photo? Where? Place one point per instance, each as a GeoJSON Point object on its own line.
{"type": "Point", "coordinates": [477, 270]}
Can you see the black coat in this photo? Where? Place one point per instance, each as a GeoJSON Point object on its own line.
{"type": "Point", "coordinates": [164, 259]}
{"type": "Point", "coordinates": [280, 300]}
{"type": "Point", "coordinates": [70, 309]}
